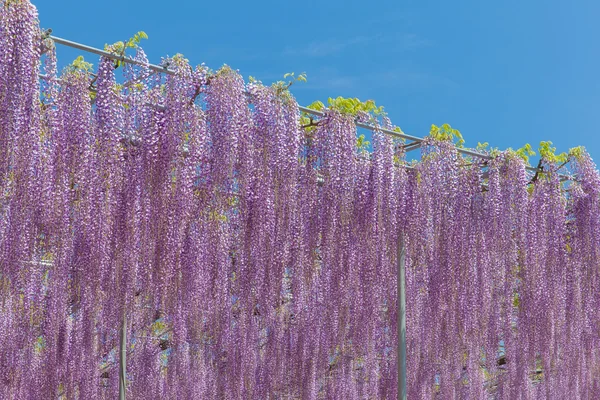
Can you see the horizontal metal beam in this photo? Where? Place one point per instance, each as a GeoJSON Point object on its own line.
{"type": "Point", "coordinates": [414, 138]}
{"type": "Point", "coordinates": [412, 146]}
{"type": "Point", "coordinates": [128, 60]}
{"type": "Point", "coordinates": [390, 132]}
{"type": "Point", "coordinates": [166, 70]}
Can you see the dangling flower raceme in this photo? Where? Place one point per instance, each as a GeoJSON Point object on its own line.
{"type": "Point", "coordinates": [248, 257]}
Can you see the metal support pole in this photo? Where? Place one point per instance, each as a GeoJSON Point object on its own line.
{"type": "Point", "coordinates": [123, 359]}
{"type": "Point", "coordinates": [401, 319]}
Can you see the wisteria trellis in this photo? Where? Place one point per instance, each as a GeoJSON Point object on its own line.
{"type": "Point", "coordinates": [255, 260]}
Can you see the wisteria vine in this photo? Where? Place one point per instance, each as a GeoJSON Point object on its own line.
{"type": "Point", "coordinates": [251, 257]}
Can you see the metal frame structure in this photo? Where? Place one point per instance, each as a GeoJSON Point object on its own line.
{"type": "Point", "coordinates": [415, 140]}
{"type": "Point", "coordinates": [414, 143]}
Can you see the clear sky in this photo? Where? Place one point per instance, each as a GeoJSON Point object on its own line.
{"type": "Point", "coordinates": [507, 73]}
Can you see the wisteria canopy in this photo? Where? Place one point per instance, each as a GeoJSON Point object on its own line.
{"type": "Point", "coordinates": [253, 257]}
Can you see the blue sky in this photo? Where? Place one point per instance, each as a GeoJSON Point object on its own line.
{"type": "Point", "coordinates": [507, 73]}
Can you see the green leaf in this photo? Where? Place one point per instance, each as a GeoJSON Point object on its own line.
{"type": "Point", "coordinates": [577, 152]}
{"type": "Point", "coordinates": [316, 105]}
{"type": "Point", "coordinates": [301, 77]}
{"type": "Point", "coordinates": [79, 64]}
{"type": "Point", "coordinates": [361, 143]}
{"type": "Point", "coordinates": [446, 133]}
{"type": "Point", "coordinates": [549, 153]}
{"type": "Point", "coordinates": [524, 153]}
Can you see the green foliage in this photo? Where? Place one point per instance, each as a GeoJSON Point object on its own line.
{"type": "Point", "coordinates": [347, 106]}
{"type": "Point", "coordinates": [224, 70]}
{"type": "Point", "coordinates": [158, 327]}
{"type": "Point", "coordinates": [352, 106]}
{"type": "Point", "coordinates": [120, 47]}
{"type": "Point", "coordinates": [136, 39]}
{"type": "Point", "coordinates": [548, 153]}
{"type": "Point", "coordinates": [306, 120]}
{"type": "Point", "coordinates": [516, 300]}
{"type": "Point", "coordinates": [299, 78]}
{"type": "Point", "coordinates": [179, 60]}
{"type": "Point", "coordinates": [8, 3]}
{"type": "Point", "coordinates": [525, 152]}
{"type": "Point", "coordinates": [316, 105]}
{"type": "Point", "coordinates": [39, 345]}
{"type": "Point", "coordinates": [486, 149]}
{"type": "Point", "coordinates": [446, 133]}
{"type": "Point", "coordinates": [79, 64]}
{"type": "Point", "coordinates": [217, 216]}
{"type": "Point", "coordinates": [282, 87]}
{"type": "Point", "coordinates": [361, 144]}
{"type": "Point", "coordinates": [577, 152]}
{"type": "Point", "coordinates": [482, 146]}
{"type": "Point", "coordinates": [397, 130]}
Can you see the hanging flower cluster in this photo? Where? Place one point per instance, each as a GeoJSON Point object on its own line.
{"type": "Point", "coordinates": [249, 258]}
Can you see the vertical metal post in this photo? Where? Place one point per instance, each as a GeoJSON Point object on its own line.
{"type": "Point", "coordinates": [401, 319]}
{"type": "Point", "coordinates": [123, 358]}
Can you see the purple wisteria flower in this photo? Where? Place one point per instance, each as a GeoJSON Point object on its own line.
{"type": "Point", "coordinates": [247, 257]}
